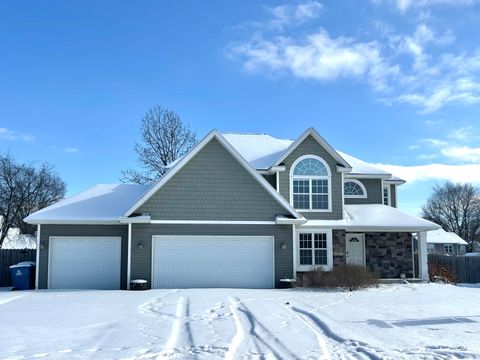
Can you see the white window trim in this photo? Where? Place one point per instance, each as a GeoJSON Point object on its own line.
{"type": "Point", "coordinates": [388, 194]}
{"type": "Point", "coordinates": [312, 231]}
{"type": "Point", "coordinates": [327, 177]}
{"type": "Point", "coordinates": [359, 183]}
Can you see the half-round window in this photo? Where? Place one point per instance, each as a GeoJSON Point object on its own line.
{"type": "Point", "coordinates": [310, 166]}
{"type": "Point", "coordinates": [354, 189]}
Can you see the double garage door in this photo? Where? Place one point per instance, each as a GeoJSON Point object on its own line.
{"type": "Point", "coordinates": [177, 262]}
{"type": "Point", "coordinates": [212, 261]}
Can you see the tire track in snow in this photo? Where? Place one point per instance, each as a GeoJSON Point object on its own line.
{"type": "Point", "coordinates": [331, 343]}
{"type": "Point", "coordinates": [258, 333]}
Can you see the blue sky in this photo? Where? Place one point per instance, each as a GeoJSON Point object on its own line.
{"type": "Point", "coordinates": [393, 82]}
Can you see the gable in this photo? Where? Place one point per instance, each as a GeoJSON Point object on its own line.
{"type": "Point", "coordinates": [310, 146]}
{"type": "Point", "coordinates": [212, 185]}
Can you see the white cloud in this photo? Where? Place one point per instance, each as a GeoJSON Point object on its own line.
{"type": "Point", "coordinates": [462, 153]}
{"type": "Point", "coordinates": [294, 14]}
{"type": "Point", "coordinates": [429, 82]}
{"type": "Point", "coordinates": [317, 56]}
{"type": "Point", "coordinates": [405, 5]}
{"type": "Point", "coordinates": [71, 150]}
{"type": "Point", "coordinates": [455, 173]}
{"type": "Point", "coordinates": [13, 135]}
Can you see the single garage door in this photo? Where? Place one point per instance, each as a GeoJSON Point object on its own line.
{"type": "Point", "coordinates": [84, 262]}
{"type": "Point", "coordinates": [213, 261]}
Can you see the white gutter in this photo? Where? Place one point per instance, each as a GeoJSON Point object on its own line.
{"type": "Point", "coordinates": [144, 219]}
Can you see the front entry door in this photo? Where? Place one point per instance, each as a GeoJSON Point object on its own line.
{"type": "Point", "coordinates": [355, 248]}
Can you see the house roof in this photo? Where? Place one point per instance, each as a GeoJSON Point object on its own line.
{"type": "Point", "coordinates": [262, 151]}
{"type": "Point", "coordinates": [234, 152]}
{"type": "Point", "coordinates": [441, 236]}
{"type": "Point", "coordinates": [375, 217]}
{"type": "Point", "coordinates": [100, 204]}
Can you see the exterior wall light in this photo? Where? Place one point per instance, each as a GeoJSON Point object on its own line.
{"type": "Point", "coordinates": [283, 245]}
{"type": "Point", "coordinates": [140, 245]}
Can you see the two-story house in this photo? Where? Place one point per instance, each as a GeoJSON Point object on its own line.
{"type": "Point", "coordinates": [238, 210]}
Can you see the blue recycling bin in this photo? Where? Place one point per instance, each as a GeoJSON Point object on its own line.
{"type": "Point", "coordinates": [23, 275]}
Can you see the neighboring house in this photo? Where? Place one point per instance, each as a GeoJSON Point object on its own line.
{"type": "Point", "coordinates": [237, 211]}
{"type": "Point", "coordinates": [445, 243]}
{"type": "Point", "coordinates": [15, 240]}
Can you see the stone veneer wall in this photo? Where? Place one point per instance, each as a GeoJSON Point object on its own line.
{"type": "Point", "coordinates": [338, 241]}
{"type": "Point", "coordinates": [389, 254]}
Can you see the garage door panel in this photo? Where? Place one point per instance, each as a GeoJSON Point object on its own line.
{"type": "Point", "coordinates": [212, 261]}
{"type": "Point", "coordinates": [84, 262]}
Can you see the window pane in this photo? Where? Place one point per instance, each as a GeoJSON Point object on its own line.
{"type": "Point", "coordinates": [305, 241]}
{"type": "Point", "coordinates": [320, 186]}
{"type": "Point", "coordinates": [320, 257]}
{"type": "Point", "coordinates": [301, 201]}
{"type": "Point", "coordinates": [310, 166]}
{"type": "Point", "coordinates": [300, 187]}
{"type": "Point", "coordinates": [319, 201]}
{"type": "Point", "coordinates": [320, 241]}
{"type": "Point", "coordinates": [306, 257]}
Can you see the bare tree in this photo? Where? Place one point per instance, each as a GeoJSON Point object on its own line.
{"type": "Point", "coordinates": [456, 207]}
{"type": "Point", "coordinates": [24, 189]}
{"type": "Point", "coordinates": [165, 138]}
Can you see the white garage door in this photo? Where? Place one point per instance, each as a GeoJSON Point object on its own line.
{"type": "Point", "coordinates": [84, 262]}
{"type": "Point", "coordinates": [212, 261]}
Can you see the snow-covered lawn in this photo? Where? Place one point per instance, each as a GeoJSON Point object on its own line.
{"type": "Point", "coordinates": [392, 321]}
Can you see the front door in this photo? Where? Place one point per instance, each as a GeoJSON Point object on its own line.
{"type": "Point", "coordinates": [355, 248]}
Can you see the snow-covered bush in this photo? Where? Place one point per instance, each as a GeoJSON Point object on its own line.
{"type": "Point", "coordinates": [343, 276]}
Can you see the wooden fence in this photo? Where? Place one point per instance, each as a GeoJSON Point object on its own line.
{"type": "Point", "coordinates": [465, 268]}
{"type": "Point", "coordinates": [11, 257]}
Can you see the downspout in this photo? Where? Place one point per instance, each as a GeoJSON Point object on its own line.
{"type": "Point", "coordinates": [129, 255]}
{"type": "Point", "coordinates": [37, 259]}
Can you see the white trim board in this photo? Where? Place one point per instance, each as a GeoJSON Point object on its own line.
{"type": "Point", "coordinates": [213, 135]}
{"type": "Point", "coordinates": [212, 222]}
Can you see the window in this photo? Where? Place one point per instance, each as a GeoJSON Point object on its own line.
{"type": "Point", "coordinates": [311, 184]}
{"type": "Point", "coordinates": [386, 195]}
{"type": "Point", "coordinates": [354, 189]}
{"type": "Point", "coordinates": [448, 248]}
{"type": "Point", "coordinates": [313, 248]}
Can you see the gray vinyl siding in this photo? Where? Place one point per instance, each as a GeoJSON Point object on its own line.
{"type": "Point", "coordinates": [374, 192]}
{"type": "Point", "coordinates": [311, 147]}
{"type": "Point", "coordinates": [393, 195]}
{"type": "Point", "coordinates": [143, 233]}
{"type": "Point", "coordinates": [213, 186]}
{"type": "Point", "coordinates": [80, 230]}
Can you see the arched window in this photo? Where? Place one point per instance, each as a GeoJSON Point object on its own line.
{"type": "Point", "coordinates": [353, 188]}
{"type": "Point", "coordinates": [310, 184]}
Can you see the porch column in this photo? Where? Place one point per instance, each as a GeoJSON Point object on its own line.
{"type": "Point", "coordinates": [422, 256]}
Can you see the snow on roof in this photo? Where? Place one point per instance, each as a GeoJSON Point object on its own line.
{"type": "Point", "coordinates": [103, 202]}
{"type": "Point", "coordinates": [375, 217]}
{"type": "Point", "coordinates": [261, 151]}
{"type": "Point", "coordinates": [362, 167]}
{"type": "Point", "coordinates": [441, 236]}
